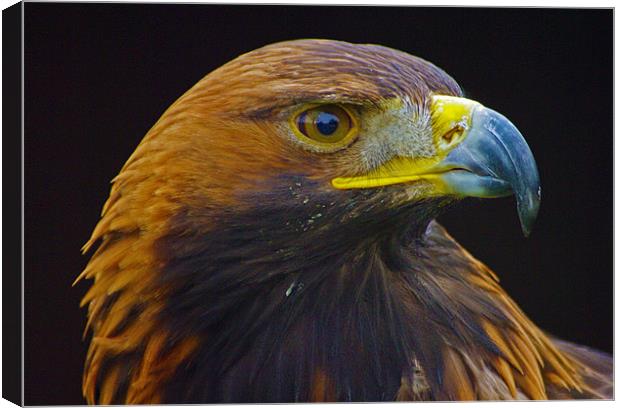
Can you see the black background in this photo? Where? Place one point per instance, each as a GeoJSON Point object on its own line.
{"type": "Point", "coordinates": [98, 76]}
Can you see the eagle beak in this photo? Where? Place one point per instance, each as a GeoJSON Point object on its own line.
{"type": "Point", "coordinates": [480, 153]}
{"type": "Point", "coordinates": [494, 160]}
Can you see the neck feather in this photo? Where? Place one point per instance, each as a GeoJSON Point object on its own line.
{"type": "Point", "coordinates": [293, 307]}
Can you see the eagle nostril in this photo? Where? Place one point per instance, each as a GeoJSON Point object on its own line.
{"type": "Point", "coordinates": [451, 136]}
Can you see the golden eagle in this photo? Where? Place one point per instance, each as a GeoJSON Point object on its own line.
{"type": "Point", "coordinates": [272, 239]}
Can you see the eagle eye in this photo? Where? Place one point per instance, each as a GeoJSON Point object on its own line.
{"type": "Point", "coordinates": [325, 125]}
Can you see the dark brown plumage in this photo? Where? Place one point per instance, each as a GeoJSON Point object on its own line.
{"type": "Point", "coordinates": [229, 269]}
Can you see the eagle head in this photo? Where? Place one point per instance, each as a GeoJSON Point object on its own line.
{"type": "Point", "coordinates": [272, 239]}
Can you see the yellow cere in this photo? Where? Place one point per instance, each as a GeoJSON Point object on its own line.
{"type": "Point", "coordinates": [451, 118]}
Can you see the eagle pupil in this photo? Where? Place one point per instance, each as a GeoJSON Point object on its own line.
{"type": "Point", "coordinates": [327, 123]}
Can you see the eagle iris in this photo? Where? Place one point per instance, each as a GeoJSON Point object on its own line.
{"type": "Point", "coordinates": [326, 124]}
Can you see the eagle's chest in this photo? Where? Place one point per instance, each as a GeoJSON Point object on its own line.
{"type": "Point", "coordinates": [325, 354]}
{"type": "Point", "coordinates": [345, 352]}
{"type": "Point", "coordinates": [366, 324]}
{"type": "Point", "coordinates": [343, 338]}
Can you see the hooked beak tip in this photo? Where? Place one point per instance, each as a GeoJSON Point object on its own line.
{"type": "Point", "coordinates": [528, 211]}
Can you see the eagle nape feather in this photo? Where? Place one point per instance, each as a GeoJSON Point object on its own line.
{"type": "Point", "coordinates": [272, 239]}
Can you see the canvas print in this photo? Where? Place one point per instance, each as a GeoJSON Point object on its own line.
{"type": "Point", "coordinates": [256, 204]}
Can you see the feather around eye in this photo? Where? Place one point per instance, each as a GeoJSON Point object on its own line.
{"type": "Point", "coordinates": [325, 126]}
